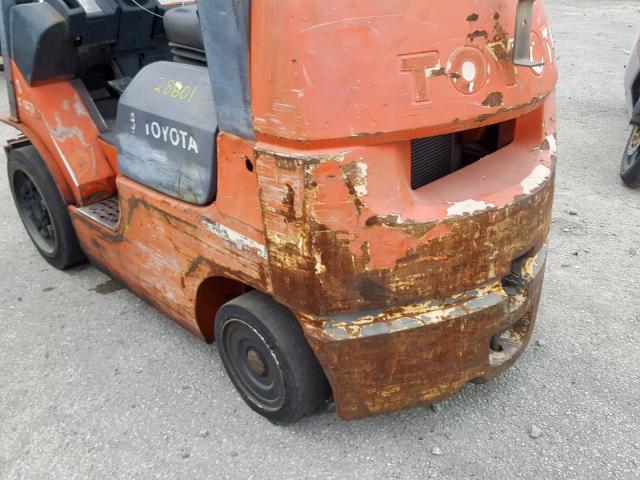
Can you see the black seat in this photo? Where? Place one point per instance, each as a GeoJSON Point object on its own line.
{"type": "Point", "coordinates": [182, 26]}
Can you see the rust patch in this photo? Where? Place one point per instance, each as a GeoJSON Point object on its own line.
{"type": "Point", "coordinates": [410, 227]}
{"type": "Point", "coordinates": [478, 34]}
{"type": "Point", "coordinates": [202, 267]}
{"type": "Point", "coordinates": [293, 162]}
{"type": "Point", "coordinates": [513, 108]}
{"type": "Point", "coordinates": [356, 182]}
{"type": "Point", "coordinates": [345, 269]}
{"type": "Point", "coordinates": [429, 312]}
{"type": "Point", "coordinates": [287, 163]}
{"type": "Point", "coordinates": [383, 377]}
{"type": "Point", "coordinates": [135, 203]}
{"type": "Point", "coordinates": [288, 203]}
{"type": "Point", "coordinates": [500, 46]}
{"type": "Point", "coordinates": [494, 99]}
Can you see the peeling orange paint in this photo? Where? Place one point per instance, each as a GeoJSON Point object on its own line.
{"type": "Point", "coordinates": [319, 212]}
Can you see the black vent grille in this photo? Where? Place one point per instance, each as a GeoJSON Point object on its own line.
{"type": "Point", "coordinates": [189, 55]}
{"type": "Point", "coordinates": [433, 158]}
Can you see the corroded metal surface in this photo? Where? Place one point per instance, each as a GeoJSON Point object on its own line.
{"type": "Point", "coordinates": [396, 319]}
{"type": "Point", "coordinates": [177, 256]}
{"type": "Point", "coordinates": [388, 360]}
{"type": "Point", "coordinates": [346, 232]}
{"type": "Point", "coordinates": [403, 294]}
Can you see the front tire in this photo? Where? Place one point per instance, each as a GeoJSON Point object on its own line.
{"type": "Point", "coordinates": [264, 351]}
{"type": "Point", "coordinates": [43, 212]}
{"type": "Point", "coordinates": [630, 167]}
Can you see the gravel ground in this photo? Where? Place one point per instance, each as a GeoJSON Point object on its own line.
{"type": "Point", "coordinates": [95, 384]}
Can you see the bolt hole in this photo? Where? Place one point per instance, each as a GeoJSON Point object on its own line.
{"type": "Point", "coordinates": [495, 344]}
{"type": "Point", "coordinates": [248, 163]}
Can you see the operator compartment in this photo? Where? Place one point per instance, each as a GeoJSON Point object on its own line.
{"type": "Point", "coordinates": [112, 41]}
{"type": "Point", "coordinates": [166, 124]}
{"type": "Point", "coordinates": [116, 54]}
{"type": "Point", "coordinates": [167, 131]}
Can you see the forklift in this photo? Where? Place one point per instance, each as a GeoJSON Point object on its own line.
{"type": "Point", "coordinates": [353, 198]}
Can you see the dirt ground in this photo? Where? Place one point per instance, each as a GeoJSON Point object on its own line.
{"type": "Point", "coordinates": [95, 384]}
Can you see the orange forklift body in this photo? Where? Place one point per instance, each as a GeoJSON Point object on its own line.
{"type": "Point", "coordinates": [401, 291]}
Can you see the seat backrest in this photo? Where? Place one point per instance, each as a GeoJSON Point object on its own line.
{"type": "Point", "coordinates": [167, 132]}
{"type": "Point", "coordinates": [182, 27]}
{"type": "Point", "coordinates": [41, 45]}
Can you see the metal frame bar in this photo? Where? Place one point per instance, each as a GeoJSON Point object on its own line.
{"type": "Point", "coordinates": [226, 28]}
{"type": "Point", "coordinates": [522, 42]}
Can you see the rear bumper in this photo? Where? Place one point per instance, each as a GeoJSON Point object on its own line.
{"type": "Point", "coordinates": [388, 360]}
{"type": "Point", "coordinates": [346, 232]}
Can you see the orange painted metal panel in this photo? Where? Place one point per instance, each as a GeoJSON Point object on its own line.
{"type": "Point", "coordinates": [51, 161]}
{"type": "Point", "coordinates": [55, 112]}
{"type": "Point", "coordinates": [110, 152]}
{"type": "Point", "coordinates": [354, 69]}
{"type": "Point", "coordinates": [164, 249]}
{"type": "Point", "coordinates": [346, 224]}
{"type": "Point", "coordinates": [237, 181]}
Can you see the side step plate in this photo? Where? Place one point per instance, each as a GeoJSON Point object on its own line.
{"type": "Point", "coordinates": [105, 213]}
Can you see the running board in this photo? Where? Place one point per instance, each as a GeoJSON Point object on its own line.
{"type": "Point", "coordinates": [105, 213]}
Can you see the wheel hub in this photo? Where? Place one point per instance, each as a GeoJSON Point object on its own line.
{"type": "Point", "coordinates": [35, 213]}
{"type": "Point", "coordinates": [253, 365]}
{"type": "Point", "coordinates": [256, 363]}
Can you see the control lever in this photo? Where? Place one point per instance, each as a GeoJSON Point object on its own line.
{"type": "Point", "coordinates": [522, 41]}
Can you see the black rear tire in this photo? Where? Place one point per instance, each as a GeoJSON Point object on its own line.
{"type": "Point", "coordinates": [267, 357]}
{"type": "Point", "coordinates": [43, 211]}
{"type": "Point", "coordinates": [630, 167]}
